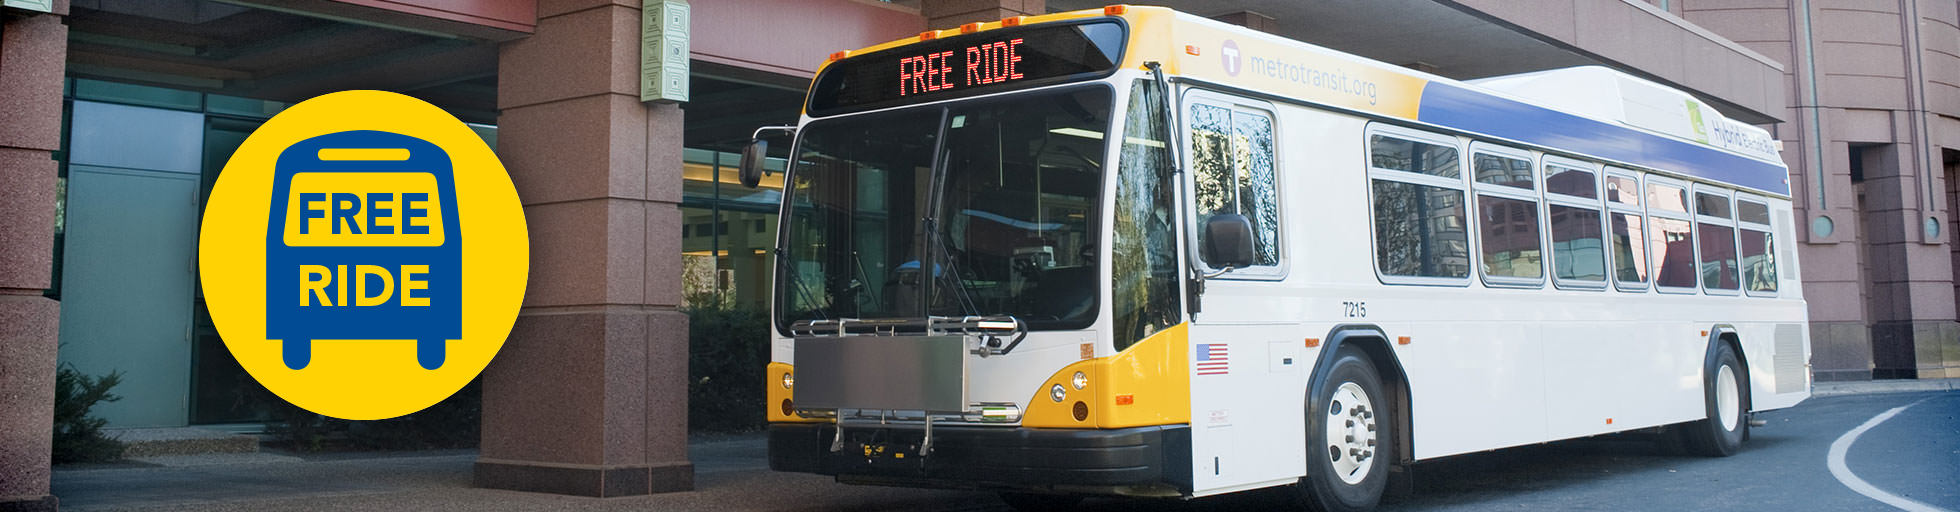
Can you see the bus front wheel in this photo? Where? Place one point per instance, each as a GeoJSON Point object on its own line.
{"type": "Point", "coordinates": [1726, 394]}
{"type": "Point", "coordinates": [1350, 441]}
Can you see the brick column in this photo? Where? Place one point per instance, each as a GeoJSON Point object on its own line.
{"type": "Point", "coordinates": [33, 50]}
{"type": "Point", "coordinates": [945, 14]}
{"type": "Point", "coordinates": [589, 395]}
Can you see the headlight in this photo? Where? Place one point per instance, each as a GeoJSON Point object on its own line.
{"type": "Point", "coordinates": [1081, 380]}
{"type": "Point", "coordinates": [789, 380]}
{"type": "Point", "coordinates": [1058, 393]}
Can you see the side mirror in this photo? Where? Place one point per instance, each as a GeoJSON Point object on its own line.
{"type": "Point", "coordinates": [753, 157]}
{"type": "Point", "coordinates": [1228, 241]}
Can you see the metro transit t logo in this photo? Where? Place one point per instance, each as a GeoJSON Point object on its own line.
{"type": "Point", "coordinates": [364, 255]}
{"type": "Point", "coordinates": [1229, 55]}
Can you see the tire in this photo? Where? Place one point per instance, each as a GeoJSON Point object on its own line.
{"type": "Point", "coordinates": [1026, 502]}
{"type": "Point", "coordinates": [1725, 390]}
{"type": "Point", "coordinates": [1344, 475]}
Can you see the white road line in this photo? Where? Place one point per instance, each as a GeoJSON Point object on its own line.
{"type": "Point", "coordinates": [1844, 476]}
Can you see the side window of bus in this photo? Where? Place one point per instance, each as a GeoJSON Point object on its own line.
{"type": "Point", "coordinates": [1629, 230]}
{"type": "Point", "coordinates": [1671, 237]}
{"type": "Point", "coordinates": [1715, 225]}
{"type": "Point", "coordinates": [1507, 217]}
{"type": "Point", "coordinates": [1420, 226]}
{"type": "Point", "coordinates": [1572, 208]}
{"type": "Point", "coordinates": [1757, 247]}
{"type": "Point", "coordinates": [1233, 169]}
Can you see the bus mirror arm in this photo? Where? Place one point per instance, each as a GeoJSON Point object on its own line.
{"type": "Point", "coordinates": [755, 155]}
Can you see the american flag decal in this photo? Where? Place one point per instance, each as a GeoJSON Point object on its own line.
{"type": "Point", "coordinates": [1213, 360]}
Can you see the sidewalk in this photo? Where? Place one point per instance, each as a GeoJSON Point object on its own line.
{"type": "Point", "coordinates": [1822, 389]}
{"type": "Point", "coordinates": [730, 474]}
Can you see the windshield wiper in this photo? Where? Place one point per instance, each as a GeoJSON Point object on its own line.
{"type": "Point", "coordinates": [939, 251]}
{"type": "Point", "coordinates": [782, 263]}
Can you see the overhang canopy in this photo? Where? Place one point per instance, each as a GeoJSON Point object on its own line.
{"type": "Point", "coordinates": [1470, 39]}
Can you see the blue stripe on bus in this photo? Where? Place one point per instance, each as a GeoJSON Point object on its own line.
{"type": "Point", "coordinates": [1464, 109]}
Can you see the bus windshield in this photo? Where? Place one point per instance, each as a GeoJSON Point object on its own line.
{"type": "Point", "coordinates": [1002, 224]}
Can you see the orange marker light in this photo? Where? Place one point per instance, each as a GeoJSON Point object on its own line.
{"type": "Point", "coordinates": [1191, 49]}
{"type": "Point", "coordinates": [1012, 22]}
{"type": "Point", "coordinates": [1704, 333]}
{"type": "Point", "coordinates": [928, 35]}
{"type": "Point", "coordinates": [1609, 421]}
{"type": "Point", "coordinates": [969, 28]}
{"type": "Point", "coordinates": [1313, 342]}
{"type": "Point", "coordinates": [1126, 399]}
{"type": "Point", "coordinates": [1088, 351]}
{"type": "Point", "coordinates": [839, 55]}
{"type": "Point", "coordinates": [1116, 10]}
{"type": "Point", "coordinates": [1401, 340]}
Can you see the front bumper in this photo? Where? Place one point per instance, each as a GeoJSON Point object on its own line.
{"type": "Point", "coordinates": [1139, 460]}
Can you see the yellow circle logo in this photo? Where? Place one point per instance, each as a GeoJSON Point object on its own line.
{"type": "Point", "coordinates": [364, 255]}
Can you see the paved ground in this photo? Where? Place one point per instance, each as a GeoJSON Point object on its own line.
{"type": "Point", "coordinates": [1915, 454]}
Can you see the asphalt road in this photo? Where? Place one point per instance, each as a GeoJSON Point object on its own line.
{"type": "Point", "coordinates": [1915, 454]}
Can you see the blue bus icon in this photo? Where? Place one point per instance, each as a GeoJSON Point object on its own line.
{"type": "Point", "coordinates": [363, 243]}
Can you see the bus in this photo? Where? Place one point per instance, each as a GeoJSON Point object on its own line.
{"type": "Point", "coordinates": [1135, 252]}
{"type": "Point", "coordinates": [363, 243]}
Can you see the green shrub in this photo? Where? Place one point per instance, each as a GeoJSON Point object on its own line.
{"type": "Point", "coordinates": [455, 422]}
{"type": "Point", "coordinates": [78, 436]}
{"type": "Point", "coordinates": [728, 353]}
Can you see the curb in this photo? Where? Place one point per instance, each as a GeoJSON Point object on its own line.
{"type": "Point", "coordinates": [1825, 389]}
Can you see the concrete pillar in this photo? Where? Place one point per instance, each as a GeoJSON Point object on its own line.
{"type": "Point", "coordinates": [945, 14]}
{"type": "Point", "coordinates": [1910, 290]}
{"type": "Point", "coordinates": [589, 395]}
{"type": "Point", "coordinates": [33, 51]}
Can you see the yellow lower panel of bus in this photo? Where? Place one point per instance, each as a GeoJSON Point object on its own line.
{"type": "Point", "coordinates": [1146, 384]}
{"type": "Point", "coordinates": [779, 404]}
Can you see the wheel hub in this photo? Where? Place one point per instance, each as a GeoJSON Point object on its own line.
{"type": "Point", "coordinates": [1351, 436]}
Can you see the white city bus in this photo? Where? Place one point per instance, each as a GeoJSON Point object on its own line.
{"type": "Point", "coordinates": [1130, 251]}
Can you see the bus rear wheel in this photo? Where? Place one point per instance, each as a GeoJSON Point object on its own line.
{"type": "Point", "coordinates": [1350, 441]}
{"type": "Point", "coordinates": [1720, 434]}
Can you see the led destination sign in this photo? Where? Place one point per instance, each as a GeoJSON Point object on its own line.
{"type": "Point", "coordinates": [969, 64]}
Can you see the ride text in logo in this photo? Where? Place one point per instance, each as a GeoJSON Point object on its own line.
{"type": "Point", "coordinates": [363, 255]}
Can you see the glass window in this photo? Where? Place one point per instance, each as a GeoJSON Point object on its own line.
{"type": "Point", "coordinates": [1232, 156]}
{"type": "Point", "coordinates": [1019, 187]}
{"type": "Point", "coordinates": [1712, 205]}
{"type": "Point", "coordinates": [1419, 230]}
{"type": "Point", "coordinates": [1623, 190]}
{"type": "Point", "coordinates": [1498, 170]}
{"type": "Point", "coordinates": [1508, 229]}
{"type": "Point", "coordinates": [1748, 211]}
{"type": "Point", "coordinates": [1571, 182]}
{"type": "Point", "coordinates": [1143, 253]}
{"type": "Point", "coordinates": [1758, 261]}
{"type": "Point", "coordinates": [1412, 156]}
{"type": "Point", "coordinates": [1674, 253]}
{"type": "Point", "coordinates": [1578, 248]}
{"type": "Point", "coordinates": [1629, 249]}
{"type": "Point", "coordinates": [1667, 197]}
{"type": "Point", "coordinates": [1718, 268]}
{"type": "Point", "coordinates": [856, 194]}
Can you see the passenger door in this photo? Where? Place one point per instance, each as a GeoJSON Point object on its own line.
{"type": "Point", "coordinates": [1246, 363]}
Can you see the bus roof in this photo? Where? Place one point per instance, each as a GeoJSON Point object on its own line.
{"type": "Point", "coordinates": [1591, 111]}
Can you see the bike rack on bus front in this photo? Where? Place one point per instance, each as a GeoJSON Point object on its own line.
{"type": "Point", "coordinates": [893, 365]}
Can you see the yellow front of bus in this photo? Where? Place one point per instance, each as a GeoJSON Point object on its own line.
{"type": "Point", "coordinates": [977, 284]}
